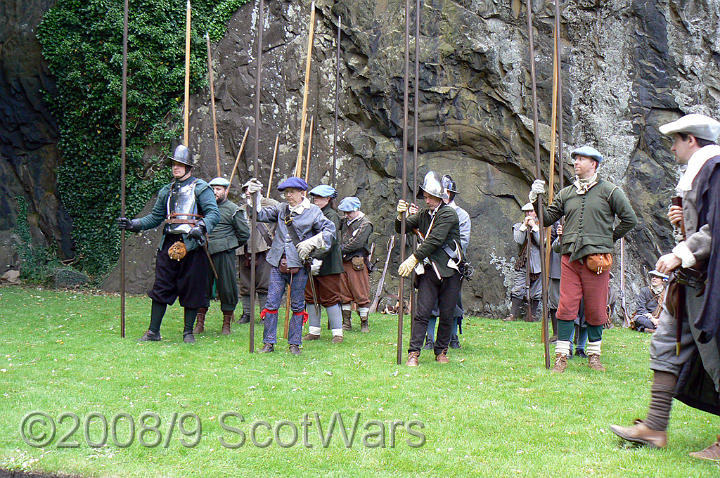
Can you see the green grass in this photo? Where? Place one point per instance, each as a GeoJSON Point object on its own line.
{"type": "Point", "coordinates": [493, 411]}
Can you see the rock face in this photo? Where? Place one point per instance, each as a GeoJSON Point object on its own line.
{"type": "Point", "coordinates": [28, 134]}
{"type": "Point", "coordinates": [627, 66]}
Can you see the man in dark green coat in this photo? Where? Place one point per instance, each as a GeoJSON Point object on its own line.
{"type": "Point", "coordinates": [230, 233]}
{"type": "Point", "coordinates": [325, 274]}
{"type": "Point", "coordinates": [435, 262]}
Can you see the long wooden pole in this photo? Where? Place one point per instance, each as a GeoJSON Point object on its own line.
{"type": "Point", "coordinates": [255, 172]}
{"type": "Point", "coordinates": [212, 104]}
{"type": "Point", "coordinates": [538, 174]}
{"type": "Point", "coordinates": [401, 292]}
{"type": "Point", "coordinates": [337, 99]}
{"type": "Point", "coordinates": [309, 151]}
{"type": "Point", "coordinates": [186, 113]}
{"type": "Point", "coordinates": [303, 117]}
{"type": "Point", "coordinates": [553, 129]}
{"type": "Point", "coordinates": [558, 65]}
{"type": "Point", "coordinates": [272, 166]}
{"type": "Point", "coordinates": [240, 152]}
{"type": "Point", "coordinates": [416, 94]}
{"type": "Point", "coordinates": [123, 150]}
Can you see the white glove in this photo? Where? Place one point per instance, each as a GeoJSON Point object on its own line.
{"type": "Point", "coordinates": [315, 266]}
{"type": "Point", "coordinates": [306, 247]}
{"type": "Point", "coordinates": [253, 186]}
{"type": "Point", "coordinates": [407, 267]}
{"type": "Point", "coordinates": [402, 207]}
{"type": "Point", "coordinates": [413, 209]}
{"type": "Point", "coordinates": [538, 188]}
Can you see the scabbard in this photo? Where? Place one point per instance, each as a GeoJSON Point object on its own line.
{"type": "Point", "coordinates": [679, 317]}
{"type": "Point", "coordinates": [311, 279]}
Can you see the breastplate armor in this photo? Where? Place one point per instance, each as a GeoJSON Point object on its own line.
{"type": "Point", "coordinates": [181, 209]}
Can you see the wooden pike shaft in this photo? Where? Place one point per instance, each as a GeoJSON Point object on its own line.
{"type": "Point", "coordinates": [553, 128]}
{"type": "Point", "coordinates": [272, 166]}
{"type": "Point", "coordinates": [186, 114]}
{"type": "Point", "coordinates": [255, 172]}
{"type": "Point", "coordinates": [401, 292]}
{"type": "Point", "coordinates": [538, 174]}
{"type": "Point", "coordinates": [309, 151]}
{"type": "Point", "coordinates": [416, 95]}
{"type": "Point", "coordinates": [240, 152]}
{"type": "Point", "coordinates": [123, 150]}
{"type": "Point", "coordinates": [303, 118]}
{"type": "Point", "coordinates": [337, 99]}
{"type": "Point", "coordinates": [558, 66]}
{"type": "Point", "coordinates": [212, 104]}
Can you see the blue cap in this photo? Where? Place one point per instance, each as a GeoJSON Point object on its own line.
{"type": "Point", "coordinates": [588, 151]}
{"type": "Point", "coordinates": [219, 182]}
{"type": "Point", "coordinates": [293, 182]}
{"type": "Point", "coordinates": [324, 191]}
{"type": "Point", "coordinates": [349, 204]}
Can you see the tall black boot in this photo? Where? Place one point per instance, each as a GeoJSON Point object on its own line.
{"type": "Point", "coordinates": [536, 308]}
{"type": "Point", "coordinates": [553, 319]}
{"type": "Point", "coordinates": [190, 315]}
{"type": "Point", "coordinates": [515, 304]}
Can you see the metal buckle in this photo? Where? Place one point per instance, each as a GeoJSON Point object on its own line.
{"type": "Point", "coordinates": [288, 220]}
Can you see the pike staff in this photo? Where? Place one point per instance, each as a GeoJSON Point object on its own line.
{"type": "Point", "coordinates": [538, 175]}
{"type": "Point", "coordinates": [123, 148]}
{"type": "Point", "coordinates": [272, 165]}
{"type": "Point", "coordinates": [401, 304]}
{"type": "Point", "coordinates": [309, 151]}
{"type": "Point", "coordinates": [303, 117]}
{"type": "Point", "coordinates": [186, 113]}
{"type": "Point", "coordinates": [212, 103]}
{"type": "Point", "coordinates": [253, 214]}
{"type": "Point", "coordinates": [240, 152]}
{"type": "Point", "coordinates": [337, 95]}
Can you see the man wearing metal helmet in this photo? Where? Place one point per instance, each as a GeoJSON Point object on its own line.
{"type": "Point", "coordinates": [188, 207]}
{"type": "Point", "coordinates": [591, 206]}
{"type": "Point", "coordinates": [435, 263]}
{"type": "Point", "coordinates": [356, 230]}
{"type": "Point", "coordinates": [326, 274]}
{"type": "Point", "coordinates": [684, 350]}
{"type": "Point", "coordinates": [650, 298]}
{"type": "Point", "coordinates": [450, 191]}
{"type": "Point", "coordinates": [526, 235]}
{"type": "Point", "coordinates": [230, 232]}
{"type": "Point", "coordinates": [301, 230]}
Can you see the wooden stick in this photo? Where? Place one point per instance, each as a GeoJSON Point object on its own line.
{"type": "Point", "coordinates": [255, 172]}
{"type": "Point", "coordinates": [309, 151]}
{"type": "Point", "coordinates": [559, 96]}
{"type": "Point", "coordinates": [123, 150]}
{"type": "Point", "coordinates": [553, 127]}
{"type": "Point", "coordinates": [212, 103]}
{"type": "Point", "coordinates": [303, 116]}
{"type": "Point", "coordinates": [337, 95]}
{"type": "Point", "coordinates": [538, 174]}
{"type": "Point", "coordinates": [272, 166]}
{"type": "Point", "coordinates": [416, 94]}
{"type": "Point", "coordinates": [240, 152]}
{"type": "Point", "coordinates": [186, 114]}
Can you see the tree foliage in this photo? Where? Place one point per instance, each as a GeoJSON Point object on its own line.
{"type": "Point", "coordinates": [82, 41]}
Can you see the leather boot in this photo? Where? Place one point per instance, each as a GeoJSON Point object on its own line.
{"type": "Point", "coordinates": [711, 453]}
{"type": "Point", "coordinates": [553, 319]}
{"type": "Point", "coordinates": [200, 321]}
{"type": "Point", "coordinates": [514, 309]}
{"type": "Point", "coordinates": [641, 433]}
{"type": "Point", "coordinates": [560, 363]}
{"type": "Point", "coordinates": [228, 317]}
{"type": "Point", "coordinates": [412, 360]}
{"type": "Point", "coordinates": [347, 319]}
{"type": "Point", "coordinates": [364, 326]}
{"type": "Point", "coordinates": [594, 362]}
{"type": "Point", "coordinates": [536, 308]}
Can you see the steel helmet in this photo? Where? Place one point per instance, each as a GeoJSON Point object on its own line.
{"type": "Point", "coordinates": [432, 184]}
{"type": "Point", "coordinates": [182, 155]}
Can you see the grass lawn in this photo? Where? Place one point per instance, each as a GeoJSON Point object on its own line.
{"type": "Point", "coordinates": [493, 411]}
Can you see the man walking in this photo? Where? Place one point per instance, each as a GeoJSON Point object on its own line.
{"type": "Point", "coordinates": [438, 256]}
{"type": "Point", "coordinates": [188, 207]}
{"type": "Point", "coordinates": [684, 353]}
{"type": "Point", "coordinates": [590, 206]}
{"type": "Point", "coordinates": [230, 233]}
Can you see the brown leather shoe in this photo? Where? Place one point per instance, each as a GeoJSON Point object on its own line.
{"type": "Point", "coordinates": [560, 363]}
{"type": "Point", "coordinates": [412, 360]}
{"type": "Point", "coordinates": [311, 337]}
{"type": "Point", "coordinates": [267, 348]}
{"type": "Point", "coordinates": [711, 453]}
{"type": "Point", "coordinates": [442, 357]}
{"type": "Point", "coordinates": [200, 321]}
{"type": "Point", "coordinates": [364, 326]}
{"type": "Point", "coordinates": [228, 318]}
{"type": "Point", "coordinates": [294, 349]}
{"type": "Point", "coordinates": [594, 362]}
{"type": "Point", "coordinates": [150, 336]}
{"type": "Point", "coordinates": [509, 318]}
{"type": "Point", "coordinates": [337, 339]}
{"type": "Point", "coordinates": [640, 433]}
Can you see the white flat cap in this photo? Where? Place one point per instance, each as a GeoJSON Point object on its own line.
{"type": "Point", "coordinates": [700, 126]}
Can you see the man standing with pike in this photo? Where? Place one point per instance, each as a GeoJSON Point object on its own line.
{"type": "Point", "coordinates": [436, 263]}
{"type": "Point", "coordinates": [301, 229]}
{"type": "Point", "coordinates": [231, 232]}
{"type": "Point", "coordinates": [187, 205]}
{"type": "Point", "coordinates": [590, 206]}
{"type": "Point", "coordinates": [685, 350]}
